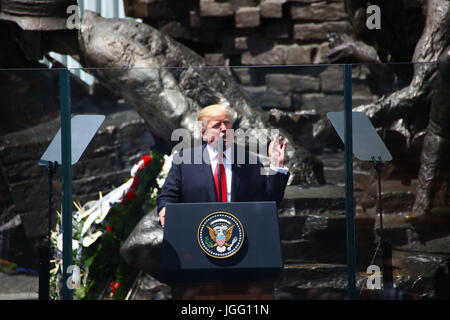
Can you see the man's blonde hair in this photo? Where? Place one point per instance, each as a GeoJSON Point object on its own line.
{"type": "Point", "coordinates": [214, 110]}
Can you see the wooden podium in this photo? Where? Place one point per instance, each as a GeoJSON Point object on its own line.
{"type": "Point", "coordinates": [222, 251]}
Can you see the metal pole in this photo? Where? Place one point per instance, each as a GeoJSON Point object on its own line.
{"type": "Point", "coordinates": [66, 157]}
{"type": "Point", "coordinates": [44, 249]}
{"type": "Point", "coordinates": [386, 249]}
{"type": "Point", "coordinates": [348, 130]}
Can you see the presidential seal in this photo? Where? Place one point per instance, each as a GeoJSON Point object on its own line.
{"type": "Point", "coordinates": [220, 235]}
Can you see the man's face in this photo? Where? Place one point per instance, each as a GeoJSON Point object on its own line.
{"type": "Point", "coordinates": [219, 126]}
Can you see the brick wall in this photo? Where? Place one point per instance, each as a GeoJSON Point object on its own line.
{"type": "Point", "coordinates": [247, 32]}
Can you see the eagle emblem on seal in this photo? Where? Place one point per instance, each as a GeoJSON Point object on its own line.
{"type": "Point", "coordinates": [220, 235]}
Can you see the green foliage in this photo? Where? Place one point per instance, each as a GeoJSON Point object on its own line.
{"type": "Point", "coordinates": [6, 266]}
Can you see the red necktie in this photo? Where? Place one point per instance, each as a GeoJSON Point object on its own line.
{"type": "Point", "coordinates": [223, 182]}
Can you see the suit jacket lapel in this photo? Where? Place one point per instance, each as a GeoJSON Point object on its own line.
{"type": "Point", "coordinates": [206, 172]}
{"type": "Point", "coordinates": [235, 175]}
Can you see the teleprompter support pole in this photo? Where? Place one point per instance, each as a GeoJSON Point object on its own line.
{"type": "Point", "coordinates": [66, 159]}
{"type": "Point", "coordinates": [44, 249]}
{"type": "Point", "coordinates": [349, 200]}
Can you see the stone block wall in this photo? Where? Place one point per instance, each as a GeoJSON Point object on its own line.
{"type": "Point", "coordinates": [298, 97]}
{"type": "Point", "coordinates": [248, 32]}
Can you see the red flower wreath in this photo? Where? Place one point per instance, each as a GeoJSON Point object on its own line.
{"type": "Point", "coordinates": [146, 160]}
{"type": "Point", "coordinates": [130, 196]}
{"type": "Point", "coordinates": [142, 163]}
{"type": "Point", "coordinates": [135, 183]}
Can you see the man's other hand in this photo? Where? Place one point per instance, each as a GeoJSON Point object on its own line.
{"type": "Point", "coordinates": [162, 216]}
{"type": "Point", "coordinates": [277, 149]}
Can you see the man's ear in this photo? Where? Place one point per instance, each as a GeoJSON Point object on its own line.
{"type": "Point", "coordinates": [203, 127]}
{"type": "Point", "coordinates": [203, 134]}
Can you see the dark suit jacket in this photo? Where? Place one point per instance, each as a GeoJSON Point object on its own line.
{"type": "Point", "coordinates": [188, 182]}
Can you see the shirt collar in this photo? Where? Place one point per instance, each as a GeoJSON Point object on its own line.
{"type": "Point", "coordinates": [213, 153]}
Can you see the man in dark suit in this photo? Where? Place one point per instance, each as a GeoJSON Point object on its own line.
{"type": "Point", "coordinates": [200, 174]}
